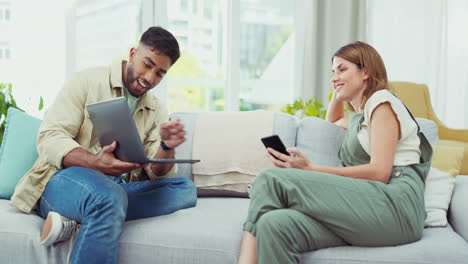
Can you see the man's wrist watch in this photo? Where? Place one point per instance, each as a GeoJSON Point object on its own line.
{"type": "Point", "coordinates": [164, 146]}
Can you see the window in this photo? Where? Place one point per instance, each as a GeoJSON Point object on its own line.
{"type": "Point", "coordinates": [5, 53]}
{"type": "Point", "coordinates": [105, 31]}
{"type": "Point", "coordinates": [5, 14]}
{"type": "Point", "coordinates": [207, 8]}
{"type": "Point", "coordinates": [195, 6]}
{"type": "Point", "coordinates": [266, 54]}
{"type": "Point", "coordinates": [265, 46]}
{"type": "Point", "coordinates": [184, 5]}
{"type": "Point", "coordinates": [180, 25]}
{"type": "Point", "coordinates": [253, 70]}
{"type": "Point", "coordinates": [196, 82]}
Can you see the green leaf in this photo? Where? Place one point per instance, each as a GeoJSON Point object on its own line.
{"type": "Point", "coordinates": [287, 109]}
{"type": "Point", "coordinates": [298, 104]}
{"type": "Point", "coordinates": [330, 95]}
{"type": "Point", "coordinates": [41, 104]}
{"type": "Point", "coordinates": [312, 107]}
{"type": "Point", "coordinates": [3, 104]}
{"type": "Point", "coordinates": [317, 104]}
{"type": "Point", "coordinates": [6, 101]}
{"type": "Point", "coordinates": [309, 110]}
{"type": "Point", "coordinates": [323, 114]}
{"type": "Point", "coordinates": [13, 104]}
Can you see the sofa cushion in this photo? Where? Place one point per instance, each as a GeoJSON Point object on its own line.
{"type": "Point", "coordinates": [19, 238]}
{"type": "Point", "coordinates": [184, 151]}
{"type": "Point", "coordinates": [429, 129]}
{"type": "Point", "coordinates": [458, 210]}
{"type": "Point", "coordinates": [211, 233]}
{"type": "Point", "coordinates": [320, 140]}
{"type": "Point", "coordinates": [231, 184]}
{"type": "Point", "coordinates": [448, 158]}
{"type": "Point", "coordinates": [205, 234]}
{"type": "Point", "coordinates": [18, 152]}
{"type": "Point", "coordinates": [284, 125]}
{"type": "Point", "coordinates": [460, 144]}
{"type": "Point", "coordinates": [437, 196]}
{"type": "Point", "coordinates": [228, 145]}
{"type": "Point", "coordinates": [438, 245]}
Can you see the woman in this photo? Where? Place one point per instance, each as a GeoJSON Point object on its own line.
{"type": "Point", "coordinates": [374, 199]}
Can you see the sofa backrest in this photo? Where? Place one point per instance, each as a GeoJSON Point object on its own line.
{"type": "Point", "coordinates": [318, 139]}
{"type": "Point", "coordinates": [321, 140]}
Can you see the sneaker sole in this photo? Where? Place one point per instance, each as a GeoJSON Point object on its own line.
{"type": "Point", "coordinates": [53, 223]}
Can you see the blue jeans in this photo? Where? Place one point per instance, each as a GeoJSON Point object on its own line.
{"type": "Point", "coordinates": [102, 204]}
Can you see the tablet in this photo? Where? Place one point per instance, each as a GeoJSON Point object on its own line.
{"type": "Point", "coordinates": [112, 121]}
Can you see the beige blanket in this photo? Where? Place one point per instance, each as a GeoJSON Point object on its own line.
{"type": "Point", "coordinates": [229, 147]}
{"type": "Point", "coordinates": [231, 181]}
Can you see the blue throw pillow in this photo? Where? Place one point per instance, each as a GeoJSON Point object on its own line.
{"type": "Point", "coordinates": [18, 152]}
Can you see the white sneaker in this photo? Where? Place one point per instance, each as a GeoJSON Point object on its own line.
{"type": "Point", "coordinates": [58, 228]}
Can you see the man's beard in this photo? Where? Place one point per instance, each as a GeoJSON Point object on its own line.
{"type": "Point", "coordinates": [130, 79]}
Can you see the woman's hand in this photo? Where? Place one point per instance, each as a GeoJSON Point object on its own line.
{"type": "Point", "coordinates": [298, 160]}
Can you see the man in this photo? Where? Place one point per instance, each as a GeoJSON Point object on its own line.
{"type": "Point", "coordinates": [74, 180]}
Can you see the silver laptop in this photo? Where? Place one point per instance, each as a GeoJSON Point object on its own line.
{"type": "Point", "coordinates": [112, 121]}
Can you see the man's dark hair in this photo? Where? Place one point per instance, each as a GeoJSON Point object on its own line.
{"type": "Point", "coordinates": [157, 38]}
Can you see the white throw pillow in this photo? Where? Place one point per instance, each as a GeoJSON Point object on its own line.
{"type": "Point", "coordinates": [437, 196]}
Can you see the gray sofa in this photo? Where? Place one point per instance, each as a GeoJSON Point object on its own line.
{"type": "Point", "coordinates": [211, 232]}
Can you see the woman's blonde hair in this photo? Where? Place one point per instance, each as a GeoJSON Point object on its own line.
{"type": "Point", "coordinates": [369, 60]}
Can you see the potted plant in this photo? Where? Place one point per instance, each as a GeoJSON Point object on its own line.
{"type": "Point", "coordinates": [6, 101]}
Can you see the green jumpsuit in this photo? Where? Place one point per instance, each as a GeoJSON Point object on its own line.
{"type": "Point", "coordinates": [293, 211]}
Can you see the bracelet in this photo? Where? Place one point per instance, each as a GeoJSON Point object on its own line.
{"type": "Point", "coordinates": [164, 146]}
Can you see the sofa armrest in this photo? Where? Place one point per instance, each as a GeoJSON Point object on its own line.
{"type": "Point", "coordinates": [458, 210]}
{"type": "Point", "coordinates": [453, 134]}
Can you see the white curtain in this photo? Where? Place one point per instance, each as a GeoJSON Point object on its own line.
{"type": "Point", "coordinates": [322, 27]}
{"type": "Point", "coordinates": [426, 41]}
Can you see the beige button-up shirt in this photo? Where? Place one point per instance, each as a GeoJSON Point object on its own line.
{"type": "Point", "coordinates": [67, 126]}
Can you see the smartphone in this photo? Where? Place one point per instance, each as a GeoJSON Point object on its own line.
{"type": "Point", "coordinates": [275, 143]}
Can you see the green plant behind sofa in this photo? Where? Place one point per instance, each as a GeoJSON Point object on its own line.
{"type": "Point", "coordinates": [6, 101]}
{"type": "Point", "coordinates": [311, 107]}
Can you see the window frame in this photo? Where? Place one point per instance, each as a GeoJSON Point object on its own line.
{"type": "Point", "coordinates": [154, 12]}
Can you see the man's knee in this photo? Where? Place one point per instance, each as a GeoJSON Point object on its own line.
{"type": "Point", "coordinates": [184, 183]}
{"type": "Point", "coordinates": [187, 197]}
{"type": "Point", "coordinates": [113, 201]}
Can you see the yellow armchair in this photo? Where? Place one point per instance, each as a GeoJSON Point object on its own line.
{"type": "Point", "coordinates": [417, 99]}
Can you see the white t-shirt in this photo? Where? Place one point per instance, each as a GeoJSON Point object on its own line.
{"type": "Point", "coordinates": [407, 149]}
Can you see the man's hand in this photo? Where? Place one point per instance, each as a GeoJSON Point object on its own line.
{"type": "Point", "coordinates": [107, 163]}
{"type": "Point", "coordinates": [172, 133]}
{"type": "Point", "coordinates": [299, 161]}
